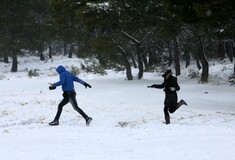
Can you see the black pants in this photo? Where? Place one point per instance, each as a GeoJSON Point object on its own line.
{"type": "Point", "coordinates": [69, 96]}
{"type": "Point", "coordinates": [170, 105]}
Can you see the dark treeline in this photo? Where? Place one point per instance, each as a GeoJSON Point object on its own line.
{"type": "Point", "coordinates": [120, 34]}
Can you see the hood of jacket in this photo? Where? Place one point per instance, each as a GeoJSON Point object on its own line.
{"type": "Point", "coordinates": [60, 69]}
{"type": "Point", "coordinates": [167, 74]}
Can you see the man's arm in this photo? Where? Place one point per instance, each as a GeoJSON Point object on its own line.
{"type": "Point", "coordinates": [61, 82]}
{"type": "Point", "coordinates": [82, 82]}
{"type": "Point", "coordinates": [160, 86]}
{"type": "Point", "coordinates": [78, 80]}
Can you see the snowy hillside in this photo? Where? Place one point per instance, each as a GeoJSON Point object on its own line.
{"type": "Point", "coordinates": [127, 116]}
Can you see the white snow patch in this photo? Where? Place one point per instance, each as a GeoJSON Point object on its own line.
{"type": "Point", "coordinates": [127, 117]}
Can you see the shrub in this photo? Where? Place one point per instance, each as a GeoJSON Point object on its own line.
{"type": "Point", "coordinates": [74, 70]}
{"type": "Point", "coordinates": [33, 73]}
{"type": "Point", "coordinates": [93, 67]}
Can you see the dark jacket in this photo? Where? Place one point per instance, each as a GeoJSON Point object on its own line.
{"type": "Point", "coordinates": [167, 84]}
{"type": "Point", "coordinates": [66, 79]}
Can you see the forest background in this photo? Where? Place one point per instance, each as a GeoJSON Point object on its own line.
{"type": "Point", "coordinates": [120, 35]}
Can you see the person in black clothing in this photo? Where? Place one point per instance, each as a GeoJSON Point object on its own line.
{"type": "Point", "coordinates": [170, 86]}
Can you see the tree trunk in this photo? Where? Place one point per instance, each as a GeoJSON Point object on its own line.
{"type": "Point", "coordinates": [128, 72]}
{"type": "Point", "coordinates": [233, 48]}
{"type": "Point", "coordinates": [65, 48]}
{"type": "Point", "coordinates": [127, 63]}
{"type": "Point", "coordinates": [140, 61]}
{"type": "Point", "coordinates": [5, 58]}
{"type": "Point", "coordinates": [170, 56]}
{"type": "Point", "coordinates": [229, 50]}
{"type": "Point", "coordinates": [186, 55]}
{"type": "Point", "coordinates": [176, 57]}
{"type": "Point", "coordinates": [234, 69]}
{"type": "Point", "coordinates": [152, 59]}
{"type": "Point", "coordinates": [197, 59]}
{"type": "Point", "coordinates": [221, 51]}
{"type": "Point", "coordinates": [133, 60]}
{"type": "Point", "coordinates": [132, 57]}
{"type": "Point", "coordinates": [187, 59]}
{"type": "Point", "coordinates": [71, 50]}
{"type": "Point", "coordinates": [202, 57]}
{"type": "Point", "coordinates": [42, 57]}
{"type": "Point", "coordinates": [50, 51]}
{"type": "Point", "coordinates": [138, 52]}
{"type": "Point", "coordinates": [14, 61]}
{"type": "Point", "coordinates": [145, 61]}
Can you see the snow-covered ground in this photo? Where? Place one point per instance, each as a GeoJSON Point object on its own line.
{"type": "Point", "coordinates": [127, 117]}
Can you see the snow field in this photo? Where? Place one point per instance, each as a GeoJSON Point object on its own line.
{"type": "Point", "coordinates": [127, 119]}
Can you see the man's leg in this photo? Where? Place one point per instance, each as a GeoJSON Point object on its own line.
{"type": "Point", "coordinates": [172, 103]}
{"type": "Point", "coordinates": [59, 110]}
{"type": "Point", "coordinates": [181, 102]}
{"type": "Point", "coordinates": [73, 101]}
{"type": "Point", "coordinates": [177, 106]}
{"type": "Point", "coordinates": [167, 115]}
{"type": "Point", "coordinates": [166, 108]}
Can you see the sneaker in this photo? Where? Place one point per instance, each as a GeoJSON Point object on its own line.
{"type": "Point", "coordinates": [167, 120]}
{"type": "Point", "coordinates": [167, 123]}
{"type": "Point", "coordinates": [88, 121]}
{"type": "Point", "coordinates": [183, 102]}
{"type": "Point", "coordinates": [54, 123]}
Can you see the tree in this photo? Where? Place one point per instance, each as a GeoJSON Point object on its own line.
{"type": "Point", "coordinates": [20, 26]}
{"type": "Point", "coordinates": [170, 31]}
{"type": "Point", "coordinates": [203, 16]}
{"type": "Point", "coordinates": [43, 28]}
{"type": "Point", "coordinates": [68, 25]}
{"type": "Point", "coordinates": [131, 19]}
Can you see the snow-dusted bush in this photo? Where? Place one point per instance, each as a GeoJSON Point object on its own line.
{"type": "Point", "coordinates": [193, 73]}
{"type": "Point", "coordinates": [33, 73]}
{"type": "Point", "coordinates": [75, 70]}
{"type": "Point", "coordinates": [93, 67]}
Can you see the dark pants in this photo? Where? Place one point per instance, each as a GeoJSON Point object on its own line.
{"type": "Point", "coordinates": [69, 96]}
{"type": "Point", "coordinates": [170, 105]}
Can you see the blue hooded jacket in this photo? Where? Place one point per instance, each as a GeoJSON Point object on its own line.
{"type": "Point", "coordinates": [66, 79]}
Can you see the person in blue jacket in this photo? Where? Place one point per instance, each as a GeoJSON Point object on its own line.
{"type": "Point", "coordinates": [69, 94]}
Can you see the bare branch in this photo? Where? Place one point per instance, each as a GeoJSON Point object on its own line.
{"type": "Point", "coordinates": [131, 37]}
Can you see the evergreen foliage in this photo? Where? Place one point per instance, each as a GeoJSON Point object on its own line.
{"type": "Point", "coordinates": [127, 33]}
